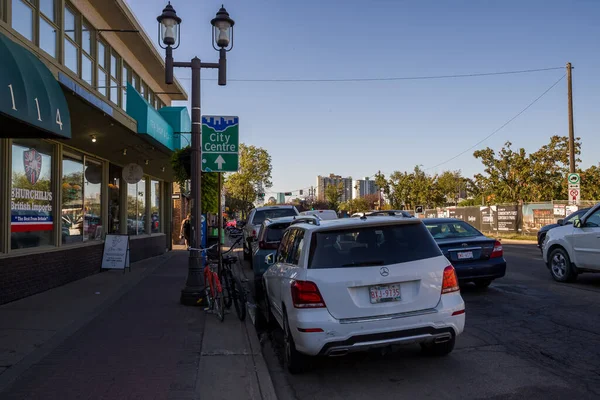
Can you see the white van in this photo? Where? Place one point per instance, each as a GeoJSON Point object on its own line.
{"type": "Point", "coordinates": [323, 214]}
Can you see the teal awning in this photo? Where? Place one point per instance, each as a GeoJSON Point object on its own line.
{"type": "Point", "coordinates": [30, 95]}
{"type": "Point", "coordinates": [149, 122]}
{"type": "Point", "coordinates": [179, 119]}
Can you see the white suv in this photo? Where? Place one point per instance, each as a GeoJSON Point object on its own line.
{"type": "Point", "coordinates": [358, 283]}
{"type": "Point", "coordinates": [571, 249]}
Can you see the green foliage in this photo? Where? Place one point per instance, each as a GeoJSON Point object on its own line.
{"type": "Point", "coordinates": [332, 196]}
{"type": "Point", "coordinates": [513, 176]}
{"type": "Point", "coordinates": [181, 162]}
{"type": "Point", "coordinates": [251, 178]}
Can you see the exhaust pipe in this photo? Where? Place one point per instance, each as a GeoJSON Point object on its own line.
{"type": "Point", "coordinates": [442, 339]}
{"type": "Point", "coordinates": [338, 352]}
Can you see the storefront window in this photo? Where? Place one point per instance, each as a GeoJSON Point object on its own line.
{"type": "Point", "coordinates": [92, 223]}
{"type": "Point", "coordinates": [32, 216]}
{"type": "Point", "coordinates": [114, 201]}
{"type": "Point", "coordinates": [72, 200]}
{"type": "Point", "coordinates": [136, 208]}
{"type": "Point", "coordinates": [155, 206]}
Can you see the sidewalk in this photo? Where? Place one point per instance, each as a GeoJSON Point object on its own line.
{"type": "Point", "coordinates": [125, 336]}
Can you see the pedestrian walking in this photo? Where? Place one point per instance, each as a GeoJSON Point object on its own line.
{"type": "Point", "coordinates": [186, 229]}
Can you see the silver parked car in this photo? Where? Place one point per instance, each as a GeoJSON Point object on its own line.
{"type": "Point", "coordinates": [256, 217]}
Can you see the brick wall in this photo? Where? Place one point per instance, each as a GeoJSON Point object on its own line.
{"type": "Point", "coordinates": [28, 274]}
{"type": "Point", "coordinates": [147, 247]}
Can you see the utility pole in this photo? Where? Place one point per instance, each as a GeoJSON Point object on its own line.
{"type": "Point", "coordinates": [571, 130]}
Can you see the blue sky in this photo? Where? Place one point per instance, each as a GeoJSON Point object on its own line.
{"type": "Point", "coordinates": [356, 128]}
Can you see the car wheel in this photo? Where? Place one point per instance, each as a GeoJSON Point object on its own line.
{"type": "Point", "coordinates": [483, 283]}
{"type": "Point", "coordinates": [295, 361]}
{"type": "Point", "coordinates": [439, 349]}
{"type": "Point", "coordinates": [560, 265]}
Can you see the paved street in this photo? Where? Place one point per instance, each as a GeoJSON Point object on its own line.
{"type": "Point", "coordinates": [526, 337]}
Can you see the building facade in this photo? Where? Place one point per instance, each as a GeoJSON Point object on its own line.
{"type": "Point", "coordinates": [332, 179]}
{"type": "Point", "coordinates": [363, 187]}
{"type": "Point", "coordinates": [86, 135]}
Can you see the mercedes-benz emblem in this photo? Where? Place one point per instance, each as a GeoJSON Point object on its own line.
{"type": "Point", "coordinates": [384, 271]}
{"type": "Point", "coordinates": [464, 244]}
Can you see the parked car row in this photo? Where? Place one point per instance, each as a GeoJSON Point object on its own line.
{"type": "Point", "coordinates": [337, 286]}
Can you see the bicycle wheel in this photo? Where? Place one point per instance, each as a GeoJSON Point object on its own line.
{"type": "Point", "coordinates": [227, 287]}
{"type": "Point", "coordinates": [239, 298]}
{"type": "Point", "coordinates": [219, 301]}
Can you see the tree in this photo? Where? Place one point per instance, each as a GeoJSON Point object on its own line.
{"type": "Point", "coordinates": [254, 173]}
{"type": "Point", "coordinates": [449, 185]}
{"type": "Point", "coordinates": [333, 194]}
{"type": "Point", "coordinates": [382, 183]}
{"type": "Point", "coordinates": [181, 162]}
{"type": "Point", "coordinates": [372, 200]}
{"type": "Point", "coordinates": [409, 189]}
{"type": "Point", "coordinates": [513, 176]}
{"type": "Point", "coordinates": [590, 183]}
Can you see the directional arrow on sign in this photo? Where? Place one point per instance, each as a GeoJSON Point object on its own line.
{"type": "Point", "coordinates": [220, 161]}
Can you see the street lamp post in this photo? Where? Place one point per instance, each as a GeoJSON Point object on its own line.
{"type": "Point", "coordinates": [169, 39]}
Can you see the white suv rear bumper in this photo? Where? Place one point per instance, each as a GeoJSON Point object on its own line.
{"type": "Point", "coordinates": [339, 337]}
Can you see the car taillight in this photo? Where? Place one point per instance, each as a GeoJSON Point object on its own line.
{"type": "Point", "coordinates": [450, 282]}
{"type": "Point", "coordinates": [305, 294]}
{"type": "Point", "coordinates": [254, 233]}
{"type": "Point", "coordinates": [497, 252]}
{"type": "Point", "coordinates": [268, 245]}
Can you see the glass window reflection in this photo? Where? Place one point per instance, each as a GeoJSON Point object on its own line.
{"type": "Point", "coordinates": [47, 37]}
{"type": "Point", "coordinates": [155, 206]}
{"type": "Point", "coordinates": [136, 208]}
{"type": "Point", "coordinates": [22, 18]}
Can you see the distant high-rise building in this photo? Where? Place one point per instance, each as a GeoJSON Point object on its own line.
{"type": "Point", "coordinates": [363, 187]}
{"type": "Point", "coordinates": [332, 179]}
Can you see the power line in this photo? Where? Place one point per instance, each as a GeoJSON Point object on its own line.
{"type": "Point", "coordinates": [400, 78]}
{"type": "Point", "coordinates": [501, 127]}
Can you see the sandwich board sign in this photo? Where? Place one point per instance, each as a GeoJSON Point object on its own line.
{"type": "Point", "coordinates": [116, 252]}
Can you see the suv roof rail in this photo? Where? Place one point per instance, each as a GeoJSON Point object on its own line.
{"type": "Point", "coordinates": [306, 219]}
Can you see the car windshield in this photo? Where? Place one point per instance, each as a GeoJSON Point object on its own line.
{"type": "Point", "coordinates": [261, 215]}
{"type": "Point", "coordinates": [450, 230]}
{"type": "Point", "coordinates": [274, 232]}
{"type": "Point", "coordinates": [371, 246]}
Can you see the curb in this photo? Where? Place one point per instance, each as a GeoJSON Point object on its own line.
{"type": "Point", "coordinates": [265, 383]}
{"type": "Point", "coordinates": [13, 373]}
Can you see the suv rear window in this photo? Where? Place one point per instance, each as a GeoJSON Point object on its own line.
{"type": "Point", "coordinates": [274, 232]}
{"type": "Point", "coordinates": [371, 246]}
{"type": "Point", "coordinates": [261, 215]}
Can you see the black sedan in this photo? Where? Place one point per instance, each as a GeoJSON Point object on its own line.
{"type": "Point", "coordinates": [541, 235]}
{"type": "Point", "coordinates": [475, 257]}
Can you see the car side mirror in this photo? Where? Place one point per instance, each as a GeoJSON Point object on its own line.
{"type": "Point", "coordinates": [577, 223]}
{"type": "Point", "coordinates": [560, 222]}
{"type": "Point", "coordinates": [270, 259]}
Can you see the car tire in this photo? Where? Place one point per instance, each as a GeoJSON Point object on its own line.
{"type": "Point", "coordinates": [438, 349]}
{"type": "Point", "coordinates": [561, 268]}
{"type": "Point", "coordinates": [295, 361]}
{"type": "Point", "coordinates": [483, 283]}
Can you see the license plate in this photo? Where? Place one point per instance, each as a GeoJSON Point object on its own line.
{"type": "Point", "coordinates": [464, 255]}
{"type": "Point", "coordinates": [381, 294]}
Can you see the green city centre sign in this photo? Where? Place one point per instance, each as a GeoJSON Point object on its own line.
{"type": "Point", "coordinates": [220, 143]}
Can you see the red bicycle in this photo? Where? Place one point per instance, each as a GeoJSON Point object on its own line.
{"type": "Point", "coordinates": [213, 290]}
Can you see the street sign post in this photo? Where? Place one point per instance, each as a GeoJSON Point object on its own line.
{"type": "Point", "coordinates": [574, 190]}
{"type": "Point", "coordinates": [220, 143]}
{"type": "Point", "coordinates": [574, 178]}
